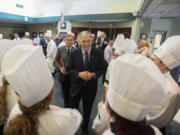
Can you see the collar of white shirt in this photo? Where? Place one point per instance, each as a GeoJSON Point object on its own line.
{"type": "Point", "coordinates": [89, 51]}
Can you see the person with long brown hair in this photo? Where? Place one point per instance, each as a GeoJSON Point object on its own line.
{"type": "Point", "coordinates": [8, 98]}
{"type": "Point", "coordinates": [136, 86]}
{"type": "Point", "coordinates": [26, 70]}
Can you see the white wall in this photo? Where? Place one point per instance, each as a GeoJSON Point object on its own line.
{"type": "Point", "coordinates": [9, 6]}
{"type": "Point", "coordinates": [45, 8]}
{"type": "Point", "coordinates": [104, 6]}
{"type": "Point", "coordinates": [134, 25]}
{"type": "Point", "coordinates": [151, 25]}
{"type": "Point", "coordinates": [175, 29]}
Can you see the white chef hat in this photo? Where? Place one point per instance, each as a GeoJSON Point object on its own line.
{"type": "Point", "coordinates": [126, 46]}
{"type": "Point", "coordinates": [5, 45]}
{"type": "Point", "coordinates": [131, 46]}
{"type": "Point", "coordinates": [118, 41]}
{"type": "Point", "coordinates": [27, 72]}
{"type": "Point", "coordinates": [49, 33]}
{"type": "Point", "coordinates": [136, 85]}
{"type": "Point", "coordinates": [23, 42]}
{"type": "Point", "coordinates": [169, 52]}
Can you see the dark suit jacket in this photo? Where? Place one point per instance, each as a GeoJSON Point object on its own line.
{"type": "Point", "coordinates": [57, 41]}
{"type": "Point", "coordinates": [44, 45]}
{"type": "Point", "coordinates": [76, 65]}
{"type": "Point", "coordinates": [103, 45]}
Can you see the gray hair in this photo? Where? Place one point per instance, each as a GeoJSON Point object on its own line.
{"type": "Point", "coordinates": [84, 33]}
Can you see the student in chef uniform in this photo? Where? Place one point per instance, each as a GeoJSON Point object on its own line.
{"type": "Point", "coordinates": [8, 98]}
{"type": "Point", "coordinates": [26, 70]}
{"type": "Point", "coordinates": [51, 51]}
{"type": "Point", "coordinates": [123, 46]}
{"type": "Point", "coordinates": [135, 81]}
{"type": "Point", "coordinates": [166, 58]}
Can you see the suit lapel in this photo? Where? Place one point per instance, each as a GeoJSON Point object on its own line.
{"type": "Point", "coordinates": [81, 57]}
{"type": "Point", "coordinates": [92, 56]}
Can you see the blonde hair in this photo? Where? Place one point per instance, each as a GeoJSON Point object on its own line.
{"type": "Point", "coordinates": [27, 122]}
{"type": "Point", "coordinates": [3, 101]}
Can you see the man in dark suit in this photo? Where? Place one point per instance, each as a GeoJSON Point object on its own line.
{"type": "Point", "coordinates": [43, 43]}
{"type": "Point", "coordinates": [57, 40]}
{"type": "Point", "coordinates": [85, 66]}
{"type": "Point", "coordinates": [102, 41]}
{"type": "Point", "coordinates": [61, 63]}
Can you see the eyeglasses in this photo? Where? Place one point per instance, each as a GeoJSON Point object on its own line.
{"type": "Point", "coordinates": [69, 39]}
{"type": "Point", "coordinates": [86, 41]}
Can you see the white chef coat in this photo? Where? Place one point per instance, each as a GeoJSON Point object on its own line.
{"type": "Point", "coordinates": [51, 54]}
{"type": "Point", "coordinates": [102, 120]}
{"type": "Point", "coordinates": [163, 114]}
{"type": "Point", "coordinates": [60, 122]}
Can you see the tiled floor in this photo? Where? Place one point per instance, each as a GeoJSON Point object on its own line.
{"type": "Point", "coordinates": [58, 100]}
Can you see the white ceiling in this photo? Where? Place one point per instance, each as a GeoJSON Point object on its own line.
{"type": "Point", "coordinates": [163, 8]}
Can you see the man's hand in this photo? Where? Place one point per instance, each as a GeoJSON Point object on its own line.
{"type": "Point", "coordinates": [91, 75]}
{"type": "Point", "coordinates": [62, 71]}
{"type": "Point", "coordinates": [105, 42]}
{"type": "Point", "coordinates": [83, 75]}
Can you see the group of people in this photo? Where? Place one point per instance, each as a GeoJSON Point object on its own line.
{"type": "Point", "coordinates": [141, 97]}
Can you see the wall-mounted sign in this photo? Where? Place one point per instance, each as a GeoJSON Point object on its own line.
{"type": "Point", "coordinates": [63, 26]}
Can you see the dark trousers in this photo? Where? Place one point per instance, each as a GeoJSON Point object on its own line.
{"type": "Point", "coordinates": [163, 130]}
{"type": "Point", "coordinates": [105, 70]}
{"type": "Point", "coordinates": [88, 95]}
{"type": "Point", "coordinates": [66, 85]}
{"type": "Point", "coordinates": [1, 129]}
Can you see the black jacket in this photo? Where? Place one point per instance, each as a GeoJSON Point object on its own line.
{"type": "Point", "coordinates": [103, 45]}
{"type": "Point", "coordinates": [44, 45]}
{"type": "Point", "coordinates": [76, 65]}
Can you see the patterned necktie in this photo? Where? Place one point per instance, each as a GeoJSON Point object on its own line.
{"type": "Point", "coordinates": [86, 60]}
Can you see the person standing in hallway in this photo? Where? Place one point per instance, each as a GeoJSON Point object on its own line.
{"type": "Point", "coordinates": [31, 79]}
{"type": "Point", "coordinates": [57, 40]}
{"type": "Point", "coordinates": [102, 41]}
{"type": "Point", "coordinates": [86, 65]}
{"type": "Point", "coordinates": [43, 43]}
{"type": "Point", "coordinates": [16, 36]}
{"type": "Point", "coordinates": [93, 40]}
{"type": "Point", "coordinates": [27, 35]}
{"type": "Point", "coordinates": [136, 86]}
{"type": "Point", "coordinates": [167, 57]}
{"type": "Point", "coordinates": [51, 52]}
{"type": "Point", "coordinates": [108, 56]}
{"type": "Point", "coordinates": [61, 63]}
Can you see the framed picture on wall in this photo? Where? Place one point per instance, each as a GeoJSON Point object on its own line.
{"type": "Point", "coordinates": [41, 34]}
{"type": "Point", "coordinates": [34, 34]}
{"type": "Point", "coordinates": [159, 39]}
{"type": "Point", "coordinates": [63, 26]}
